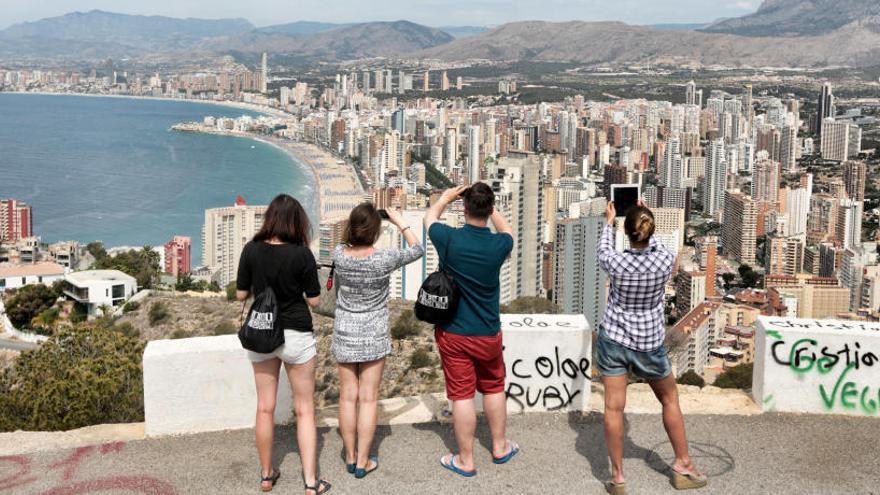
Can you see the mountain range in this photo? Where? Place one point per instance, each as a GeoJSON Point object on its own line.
{"type": "Point", "coordinates": [781, 33]}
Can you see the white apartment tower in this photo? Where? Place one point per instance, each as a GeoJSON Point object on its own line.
{"type": "Point", "coordinates": [224, 234]}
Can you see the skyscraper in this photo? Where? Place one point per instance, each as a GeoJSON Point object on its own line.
{"type": "Point", "coordinates": [178, 257]}
{"type": "Point", "coordinates": [474, 160]}
{"type": "Point", "coordinates": [825, 107]}
{"type": "Point", "coordinates": [690, 93]}
{"type": "Point", "coordinates": [855, 176]}
{"type": "Point", "coordinates": [517, 180]}
{"type": "Point", "coordinates": [738, 232]}
{"type": "Point", "coordinates": [444, 81]}
{"type": "Point", "coordinates": [715, 182]}
{"type": "Point", "coordinates": [788, 148]}
{"type": "Point", "coordinates": [849, 223]}
{"type": "Point", "coordinates": [426, 81]}
{"type": "Point", "coordinates": [16, 220]}
{"type": "Point", "coordinates": [835, 140]}
{"type": "Point", "coordinates": [264, 80]}
{"type": "Point", "coordinates": [451, 154]}
{"type": "Point", "coordinates": [224, 234]}
{"type": "Point", "coordinates": [579, 282]}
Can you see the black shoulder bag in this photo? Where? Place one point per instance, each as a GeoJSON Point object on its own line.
{"type": "Point", "coordinates": [438, 296]}
{"type": "Point", "coordinates": [261, 332]}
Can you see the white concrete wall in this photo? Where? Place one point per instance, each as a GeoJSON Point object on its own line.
{"type": "Point", "coordinates": [203, 384]}
{"type": "Point", "coordinates": [817, 366]}
{"type": "Point", "coordinates": [207, 384]}
{"type": "Point", "coordinates": [549, 362]}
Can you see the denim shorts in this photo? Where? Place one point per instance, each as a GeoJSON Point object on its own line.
{"type": "Point", "coordinates": [613, 359]}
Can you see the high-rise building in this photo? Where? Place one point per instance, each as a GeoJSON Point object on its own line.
{"type": "Point", "coordinates": [690, 93]}
{"type": "Point", "coordinates": [178, 257]}
{"type": "Point", "coordinates": [825, 107]}
{"type": "Point", "coordinates": [738, 231]}
{"type": "Point", "coordinates": [854, 177]}
{"type": "Point", "coordinates": [783, 255]}
{"type": "Point", "coordinates": [690, 291]}
{"type": "Point", "coordinates": [444, 81]}
{"type": "Point", "coordinates": [765, 182]}
{"type": "Point", "coordinates": [836, 140]}
{"type": "Point", "coordinates": [451, 153]}
{"type": "Point", "coordinates": [474, 160]}
{"type": "Point", "coordinates": [517, 181]}
{"type": "Point", "coordinates": [426, 81]}
{"type": "Point", "coordinates": [788, 148]}
{"type": "Point", "coordinates": [401, 81]}
{"type": "Point", "coordinates": [715, 182]}
{"type": "Point", "coordinates": [264, 80]}
{"type": "Point", "coordinates": [849, 223]}
{"type": "Point", "coordinates": [16, 220]}
{"type": "Point", "coordinates": [224, 234]}
{"type": "Point", "coordinates": [579, 283]}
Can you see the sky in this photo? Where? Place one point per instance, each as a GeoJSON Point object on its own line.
{"type": "Point", "coordinates": [428, 12]}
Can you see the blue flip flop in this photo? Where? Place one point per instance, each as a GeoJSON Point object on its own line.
{"type": "Point", "coordinates": [514, 449]}
{"type": "Point", "coordinates": [361, 473]}
{"type": "Point", "coordinates": [455, 469]}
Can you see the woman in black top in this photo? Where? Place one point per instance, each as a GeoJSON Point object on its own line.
{"type": "Point", "coordinates": [279, 257]}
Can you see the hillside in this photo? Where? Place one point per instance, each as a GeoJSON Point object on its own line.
{"type": "Point", "coordinates": [616, 43]}
{"type": "Point", "coordinates": [134, 32]}
{"type": "Point", "coordinates": [799, 17]}
{"type": "Point", "coordinates": [185, 316]}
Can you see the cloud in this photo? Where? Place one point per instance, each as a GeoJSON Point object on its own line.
{"type": "Point", "coordinates": [749, 5]}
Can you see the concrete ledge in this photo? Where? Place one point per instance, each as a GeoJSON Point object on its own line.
{"type": "Point", "coordinates": [203, 384]}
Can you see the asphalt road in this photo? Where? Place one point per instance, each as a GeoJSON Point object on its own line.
{"type": "Point", "coordinates": [562, 454]}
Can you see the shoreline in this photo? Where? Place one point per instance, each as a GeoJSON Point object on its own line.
{"type": "Point", "coordinates": [231, 104]}
{"type": "Point", "coordinates": [337, 187]}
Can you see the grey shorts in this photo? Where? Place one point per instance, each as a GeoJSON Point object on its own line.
{"type": "Point", "coordinates": [298, 348]}
{"type": "Point", "coordinates": [613, 359]}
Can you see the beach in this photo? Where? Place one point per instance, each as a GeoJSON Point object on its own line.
{"type": "Point", "coordinates": [337, 187]}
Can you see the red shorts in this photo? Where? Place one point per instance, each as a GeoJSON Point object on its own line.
{"type": "Point", "coordinates": [471, 363]}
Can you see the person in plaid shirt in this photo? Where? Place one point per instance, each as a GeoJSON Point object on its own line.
{"type": "Point", "coordinates": [631, 340]}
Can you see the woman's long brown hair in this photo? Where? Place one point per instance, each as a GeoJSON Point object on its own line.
{"type": "Point", "coordinates": [286, 220]}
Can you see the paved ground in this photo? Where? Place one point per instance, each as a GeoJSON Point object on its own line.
{"type": "Point", "coordinates": [562, 454]}
{"type": "Point", "coordinates": [16, 345]}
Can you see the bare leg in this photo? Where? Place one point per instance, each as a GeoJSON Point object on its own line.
{"type": "Point", "coordinates": [464, 422]}
{"type": "Point", "coordinates": [368, 395]}
{"type": "Point", "coordinates": [667, 393]}
{"type": "Point", "coordinates": [348, 413]}
{"type": "Point", "coordinates": [302, 380]}
{"type": "Point", "coordinates": [266, 379]}
{"type": "Point", "coordinates": [495, 409]}
{"type": "Point", "coordinates": [615, 402]}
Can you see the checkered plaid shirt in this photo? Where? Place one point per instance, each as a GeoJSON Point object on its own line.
{"type": "Point", "coordinates": [634, 315]}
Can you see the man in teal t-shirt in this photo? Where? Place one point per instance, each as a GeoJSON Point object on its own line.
{"type": "Point", "coordinates": [470, 345]}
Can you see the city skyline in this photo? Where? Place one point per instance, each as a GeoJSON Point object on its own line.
{"type": "Point", "coordinates": [484, 13]}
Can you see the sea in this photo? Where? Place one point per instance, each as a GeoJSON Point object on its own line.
{"type": "Point", "coordinates": [111, 170]}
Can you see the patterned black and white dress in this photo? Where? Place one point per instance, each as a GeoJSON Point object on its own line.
{"type": "Point", "coordinates": [360, 331]}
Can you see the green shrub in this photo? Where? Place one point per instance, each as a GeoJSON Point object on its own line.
{"type": "Point", "coordinates": [421, 358]}
{"type": "Point", "coordinates": [180, 334]}
{"type": "Point", "coordinates": [159, 313]}
{"type": "Point", "coordinates": [225, 327]}
{"type": "Point", "coordinates": [81, 376]}
{"type": "Point", "coordinates": [690, 377]}
{"type": "Point", "coordinates": [740, 376]}
{"type": "Point", "coordinates": [530, 305]}
{"type": "Point", "coordinates": [29, 302]}
{"type": "Point", "coordinates": [406, 325]}
{"type": "Point", "coordinates": [231, 289]}
{"type": "Point", "coordinates": [130, 307]}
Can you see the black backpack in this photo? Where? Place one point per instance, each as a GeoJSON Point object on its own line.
{"type": "Point", "coordinates": [261, 332]}
{"type": "Point", "coordinates": [438, 296]}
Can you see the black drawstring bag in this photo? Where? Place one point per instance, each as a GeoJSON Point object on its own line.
{"type": "Point", "coordinates": [438, 296]}
{"type": "Point", "coordinates": [261, 332]}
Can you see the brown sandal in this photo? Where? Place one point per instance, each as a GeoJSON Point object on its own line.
{"type": "Point", "coordinates": [688, 480]}
{"type": "Point", "coordinates": [615, 488]}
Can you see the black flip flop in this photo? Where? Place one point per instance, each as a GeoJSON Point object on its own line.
{"type": "Point", "coordinates": [272, 478]}
{"type": "Point", "coordinates": [320, 488]}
